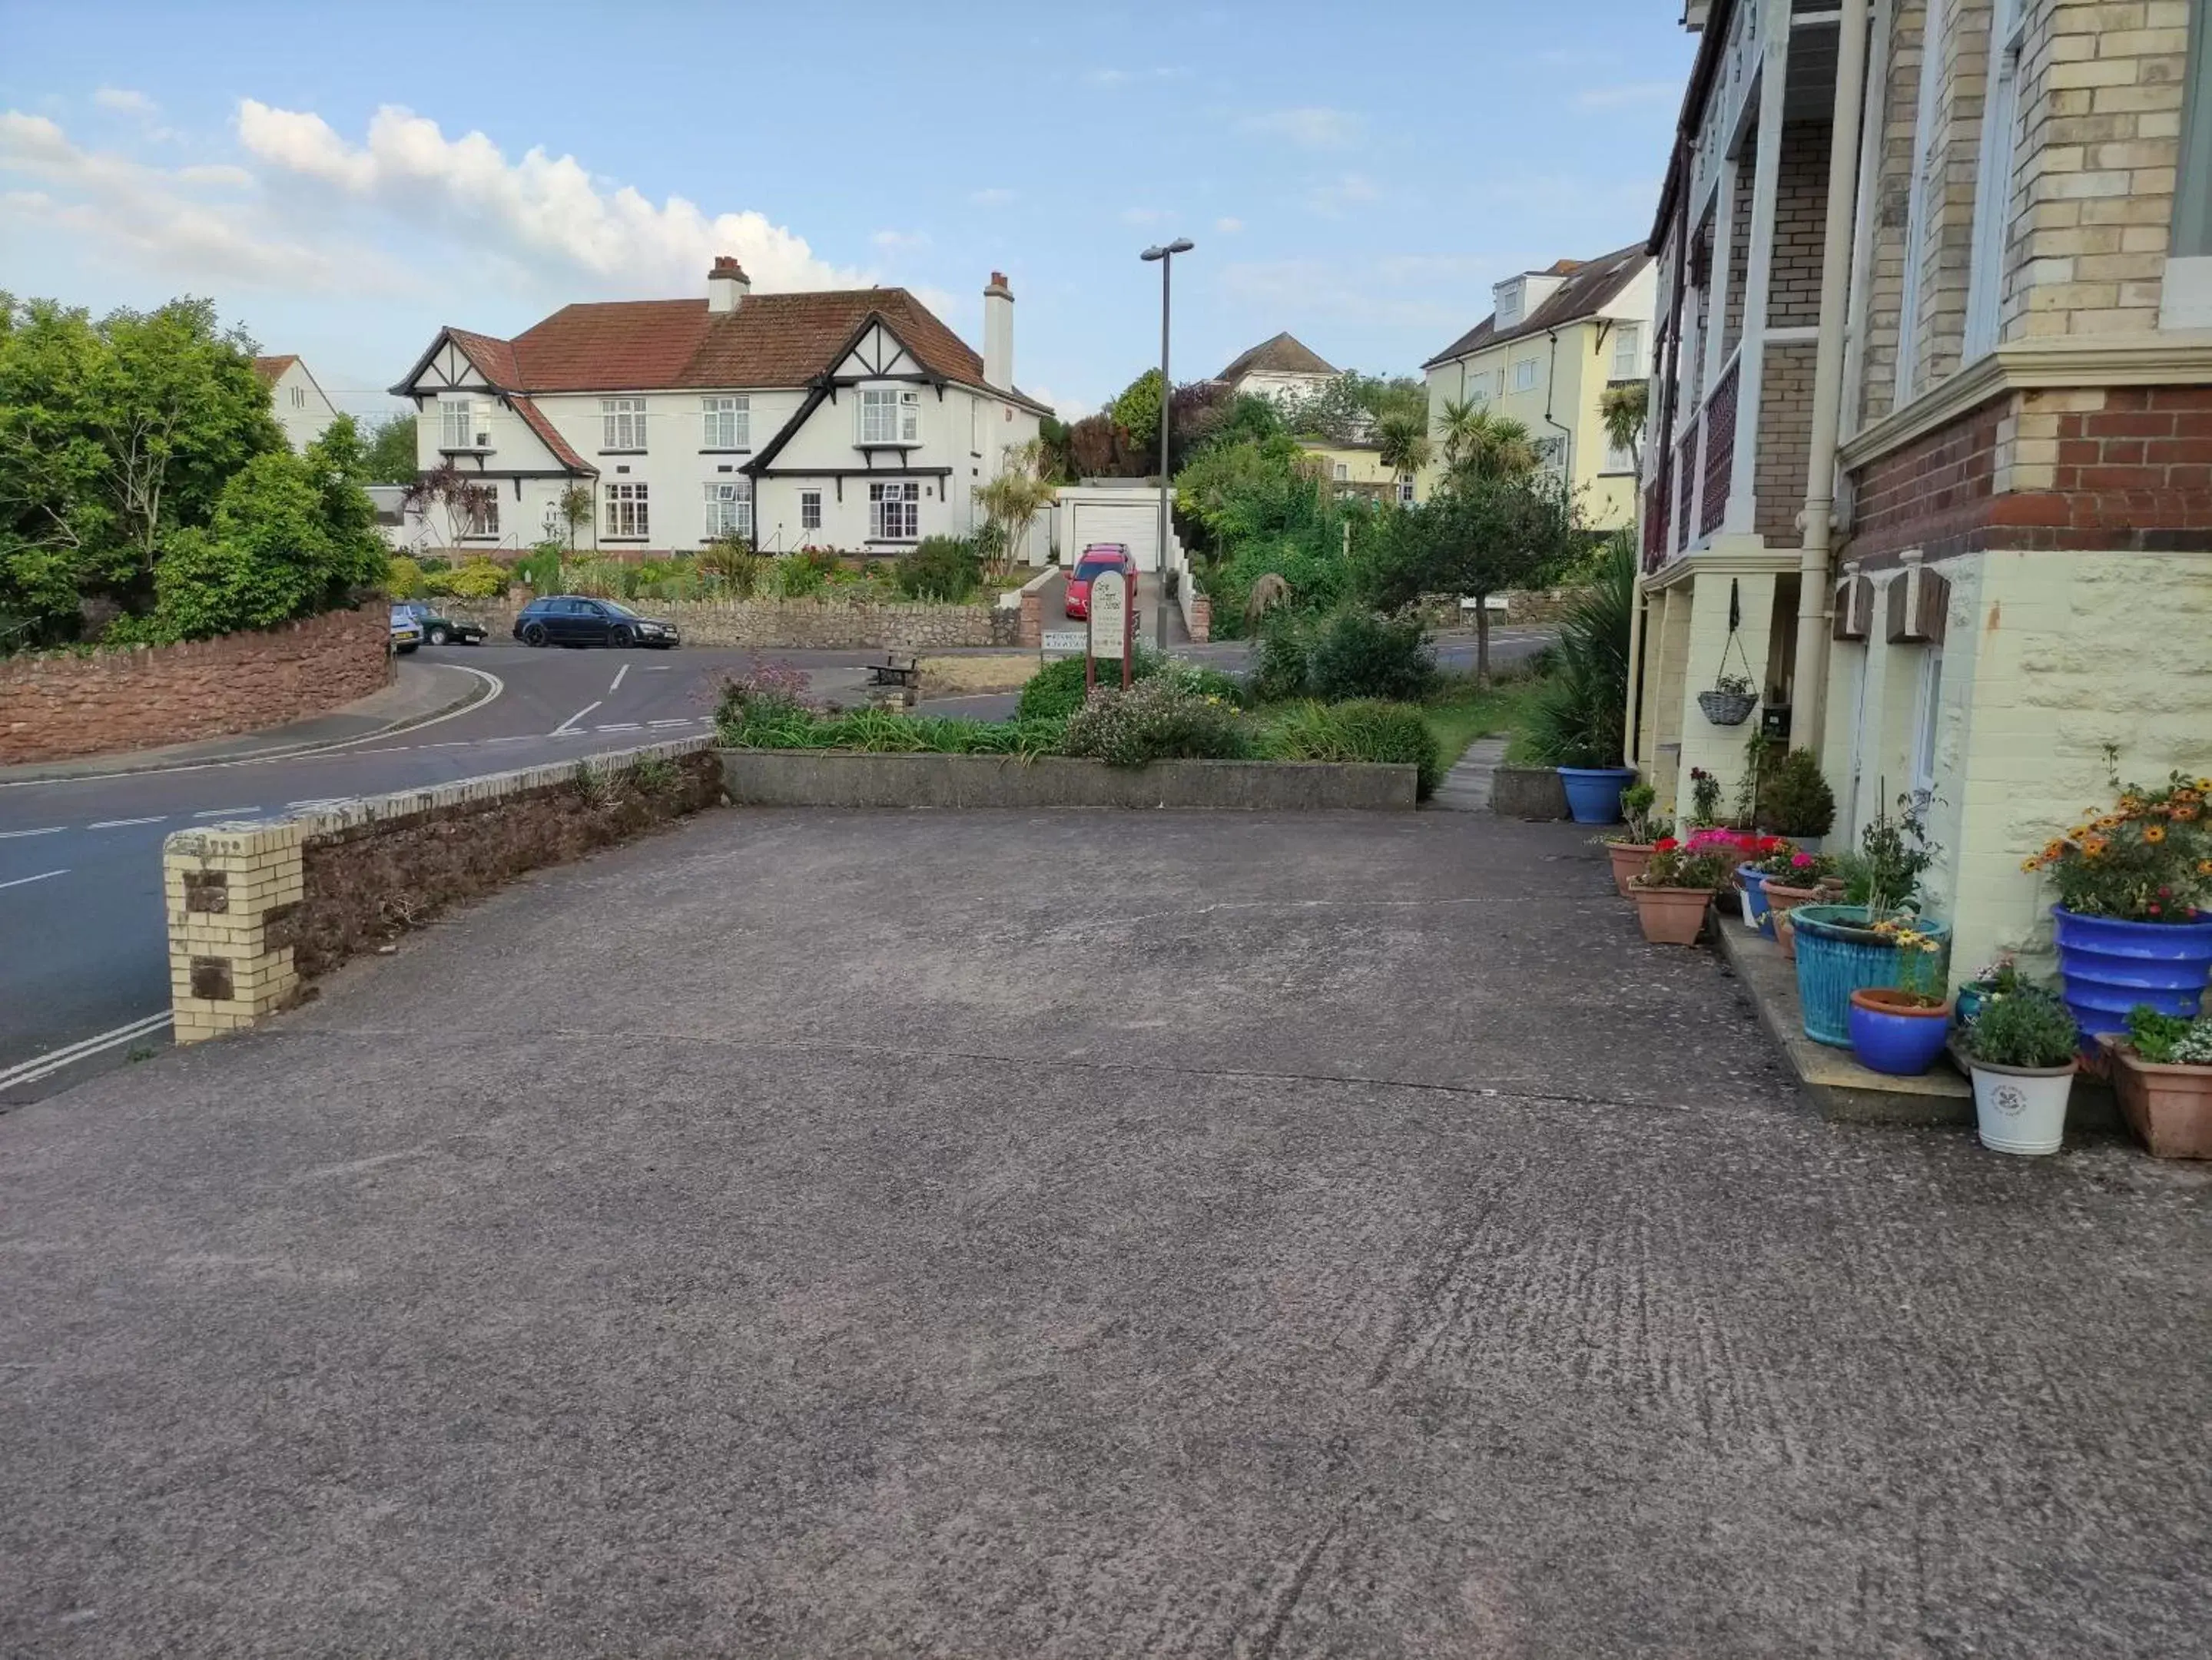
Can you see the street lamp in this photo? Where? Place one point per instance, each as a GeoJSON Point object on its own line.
{"type": "Point", "coordinates": [1166, 257]}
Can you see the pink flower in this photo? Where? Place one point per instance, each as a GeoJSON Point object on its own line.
{"type": "Point", "coordinates": [1799, 861]}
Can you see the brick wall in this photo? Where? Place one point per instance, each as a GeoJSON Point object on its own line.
{"type": "Point", "coordinates": [2119, 468]}
{"type": "Point", "coordinates": [1801, 208]}
{"type": "Point", "coordinates": [1944, 247]}
{"type": "Point", "coordinates": [1739, 245]}
{"type": "Point", "coordinates": [1785, 437]}
{"type": "Point", "coordinates": [54, 705]}
{"type": "Point", "coordinates": [1882, 299]}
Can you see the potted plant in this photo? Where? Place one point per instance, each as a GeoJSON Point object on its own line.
{"type": "Point", "coordinates": [1677, 886]}
{"type": "Point", "coordinates": [1704, 798]}
{"type": "Point", "coordinates": [1998, 978]}
{"type": "Point", "coordinates": [1794, 800]}
{"type": "Point", "coordinates": [1901, 1029]}
{"type": "Point", "coordinates": [1794, 878]}
{"type": "Point", "coordinates": [1731, 700]}
{"type": "Point", "coordinates": [1631, 850]}
{"type": "Point", "coordinates": [2020, 1052]}
{"type": "Point", "coordinates": [2162, 1072]}
{"type": "Point", "coordinates": [2132, 885]}
{"type": "Point", "coordinates": [1840, 948]}
{"type": "Point", "coordinates": [1766, 857]}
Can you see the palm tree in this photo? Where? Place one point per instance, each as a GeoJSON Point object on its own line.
{"type": "Point", "coordinates": [1624, 409]}
{"type": "Point", "coordinates": [1011, 501]}
{"type": "Point", "coordinates": [1401, 442]}
{"type": "Point", "coordinates": [1489, 445]}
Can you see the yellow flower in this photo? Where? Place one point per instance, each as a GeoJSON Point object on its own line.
{"type": "Point", "coordinates": [2077, 833]}
{"type": "Point", "coordinates": [2030, 863]}
{"type": "Point", "coordinates": [2092, 846]}
{"type": "Point", "coordinates": [2108, 821]}
{"type": "Point", "coordinates": [2053, 848]}
{"type": "Point", "coordinates": [2155, 833]}
{"type": "Point", "coordinates": [2204, 867]}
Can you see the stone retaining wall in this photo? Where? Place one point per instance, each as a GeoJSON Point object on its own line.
{"type": "Point", "coordinates": [800, 625]}
{"type": "Point", "coordinates": [791, 777]}
{"type": "Point", "coordinates": [54, 705]}
{"type": "Point", "coordinates": [1525, 608]}
{"type": "Point", "coordinates": [255, 910]}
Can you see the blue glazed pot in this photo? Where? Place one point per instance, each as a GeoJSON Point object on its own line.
{"type": "Point", "coordinates": [1756, 910]}
{"type": "Point", "coordinates": [1836, 957]}
{"type": "Point", "coordinates": [2106, 966]}
{"type": "Point", "coordinates": [1903, 1044]}
{"type": "Point", "coordinates": [1594, 792]}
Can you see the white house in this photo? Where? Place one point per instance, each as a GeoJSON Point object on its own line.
{"type": "Point", "coordinates": [297, 402]}
{"type": "Point", "coordinates": [1283, 369]}
{"type": "Point", "coordinates": [851, 419]}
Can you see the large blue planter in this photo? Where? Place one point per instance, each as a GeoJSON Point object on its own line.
{"type": "Point", "coordinates": [1594, 792]}
{"type": "Point", "coordinates": [1904, 1046]}
{"type": "Point", "coordinates": [1756, 910]}
{"type": "Point", "coordinates": [2106, 966]}
{"type": "Point", "coordinates": [1836, 957]}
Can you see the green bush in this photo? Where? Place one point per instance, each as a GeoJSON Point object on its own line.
{"type": "Point", "coordinates": [1055, 691]}
{"type": "Point", "coordinates": [2028, 1027]}
{"type": "Point", "coordinates": [761, 725]}
{"type": "Point", "coordinates": [478, 578]}
{"type": "Point", "coordinates": [1157, 719]}
{"type": "Point", "coordinates": [942, 568]}
{"type": "Point", "coordinates": [1357, 654]}
{"type": "Point", "coordinates": [1278, 672]}
{"type": "Point", "coordinates": [1581, 717]}
{"type": "Point", "coordinates": [1365, 730]}
{"type": "Point", "coordinates": [1207, 683]}
{"type": "Point", "coordinates": [404, 578]}
{"type": "Point", "coordinates": [1794, 799]}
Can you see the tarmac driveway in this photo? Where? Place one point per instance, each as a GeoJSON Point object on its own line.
{"type": "Point", "coordinates": [801, 1234]}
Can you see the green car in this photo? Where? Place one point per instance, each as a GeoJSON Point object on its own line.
{"type": "Point", "coordinates": [439, 631]}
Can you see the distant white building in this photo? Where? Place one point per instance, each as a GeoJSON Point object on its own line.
{"type": "Point", "coordinates": [854, 420]}
{"type": "Point", "coordinates": [1284, 369]}
{"type": "Point", "coordinates": [297, 402]}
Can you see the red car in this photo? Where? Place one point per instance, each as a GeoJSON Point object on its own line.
{"type": "Point", "coordinates": [1099, 556]}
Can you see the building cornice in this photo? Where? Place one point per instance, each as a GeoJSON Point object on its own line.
{"type": "Point", "coordinates": [2166, 358]}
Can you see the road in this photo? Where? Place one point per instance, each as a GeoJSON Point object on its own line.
{"type": "Point", "coordinates": [84, 953]}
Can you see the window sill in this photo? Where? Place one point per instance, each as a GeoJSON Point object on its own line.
{"type": "Point", "coordinates": [619, 453]}
{"type": "Point", "coordinates": [467, 450]}
{"type": "Point", "coordinates": [892, 542]}
{"type": "Point", "coordinates": [736, 450]}
{"type": "Point", "coordinates": [887, 444]}
{"type": "Point", "coordinates": [624, 541]}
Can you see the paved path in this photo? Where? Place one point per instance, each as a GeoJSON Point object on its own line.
{"type": "Point", "coordinates": [1336, 1235]}
{"type": "Point", "coordinates": [1465, 787]}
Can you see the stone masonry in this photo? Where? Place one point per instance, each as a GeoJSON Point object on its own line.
{"type": "Point", "coordinates": [232, 893]}
{"type": "Point", "coordinates": [799, 624]}
{"type": "Point", "coordinates": [56, 705]}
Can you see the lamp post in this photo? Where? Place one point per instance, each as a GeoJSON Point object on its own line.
{"type": "Point", "coordinates": [1166, 257]}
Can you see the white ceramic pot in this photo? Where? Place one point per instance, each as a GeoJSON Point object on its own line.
{"type": "Point", "coordinates": [2019, 1109]}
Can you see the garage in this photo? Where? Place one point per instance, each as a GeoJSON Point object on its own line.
{"type": "Point", "coordinates": [1130, 515]}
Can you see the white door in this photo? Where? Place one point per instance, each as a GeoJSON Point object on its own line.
{"type": "Point", "coordinates": [1135, 524]}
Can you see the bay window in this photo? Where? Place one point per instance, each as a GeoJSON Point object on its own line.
{"type": "Point", "coordinates": [456, 429]}
{"type": "Point", "coordinates": [621, 424]}
{"type": "Point", "coordinates": [889, 415]}
{"type": "Point", "coordinates": [626, 512]}
{"type": "Point", "coordinates": [894, 512]}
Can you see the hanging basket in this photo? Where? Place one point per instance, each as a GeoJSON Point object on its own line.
{"type": "Point", "coordinates": [1726, 708]}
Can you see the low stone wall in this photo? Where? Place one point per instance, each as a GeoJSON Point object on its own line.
{"type": "Point", "coordinates": [1525, 608]}
{"type": "Point", "coordinates": [56, 705]}
{"type": "Point", "coordinates": [1528, 792]}
{"type": "Point", "coordinates": [790, 777]}
{"type": "Point", "coordinates": [802, 625]}
{"type": "Point", "coordinates": [256, 910]}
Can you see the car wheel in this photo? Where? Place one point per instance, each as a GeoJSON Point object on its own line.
{"type": "Point", "coordinates": [620, 638]}
{"type": "Point", "coordinates": [533, 633]}
{"type": "Point", "coordinates": [437, 637]}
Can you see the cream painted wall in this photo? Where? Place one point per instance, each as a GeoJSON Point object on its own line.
{"type": "Point", "coordinates": [299, 405]}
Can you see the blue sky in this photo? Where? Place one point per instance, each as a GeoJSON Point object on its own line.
{"type": "Point", "coordinates": [343, 180]}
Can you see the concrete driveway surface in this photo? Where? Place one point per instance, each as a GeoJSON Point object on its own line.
{"type": "Point", "coordinates": [809, 1234]}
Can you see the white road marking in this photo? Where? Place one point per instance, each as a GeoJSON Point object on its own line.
{"type": "Point", "coordinates": [51, 830]}
{"type": "Point", "coordinates": [54, 1060]}
{"type": "Point", "coordinates": [315, 802]}
{"type": "Point", "coordinates": [619, 673]}
{"type": "Point", "coordinates": [518, 737]}
{"type": "Point", "coordinates": [619, 726]}
{"type": "Point", "coordinates": [685, 722]}
{"type": "Point", "coordinates": [451, 744]}
{"type": "Point", "coordinates": [119, 824]}
{"type": "Point", "coordinates": [568, 728]}
{"type": "Point", "coordinates": [41, 876]}
{"type": "Point", "coordinates": [225, 812]}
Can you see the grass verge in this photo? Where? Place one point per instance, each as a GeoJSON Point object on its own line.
{"type": "Point", "coordinates": [1464, 711]}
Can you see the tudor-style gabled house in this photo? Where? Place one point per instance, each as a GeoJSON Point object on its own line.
{"type": "Point", "coordinates": [852, 419]}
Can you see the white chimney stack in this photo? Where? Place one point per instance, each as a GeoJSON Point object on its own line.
{"type": "Point", "coordinates": [727, 285]}
{"type": "Point", "coordinates": [998, 334]}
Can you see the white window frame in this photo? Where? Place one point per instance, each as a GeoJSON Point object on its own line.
{"type": "Point", "coordinates": [1617, 459]}
{"type": "Point", "coordinates": [729, 508]}
{"type": "Point", "coordinates": [1551, 453]}
{"type": "Point", "coordinates": [1927, 715]}
{"type": "Point", "coordinates": [622, 423]}
{"type": "Point", "coordinates": [1509, 306]}
{"type": "Point", "coordinates": [629, 515]}
{"type": "Point", "coordinates": [1405, 489]}
{"type": "Point", "coordinates": [1524, 383]}
{"type": "Point", "coordinates": [1627, 351]}
{"type": "Point", "coordinates": [725, 422]}
{"type": "Point", "coordinates": [1928, 148]}
{"type": "Point", "coordinates": [1993, 181]}
{"type": "Point", "coordinates": [895, 512]}
{"type": "Point", "coordinates": [809, 510]}
{"type": "Point", "coordinates": [1343, 473]}
{"type": "Point", "coordinates": [888, 415]}
{"type": "Point", "coordinates": [452, 435]}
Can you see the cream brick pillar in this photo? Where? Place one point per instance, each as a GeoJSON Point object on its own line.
{"type": "Point", "coordinates": [1720, 749]}
{"type": "Point", "coordinates": [231, 895]}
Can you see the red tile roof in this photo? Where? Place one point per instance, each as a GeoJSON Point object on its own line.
{"type": "Point", "coordinates": [550, 435]}
{"type": "Point", "coordinates": [271, 369]}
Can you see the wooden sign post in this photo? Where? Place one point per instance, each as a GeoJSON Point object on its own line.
{"type": "Point", "coordinates": [1111, 615]}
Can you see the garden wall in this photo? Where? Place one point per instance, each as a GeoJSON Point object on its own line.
{"type": "Point", "coordinates": [1525, 608]}
{"type": "Point", "coordinates": [57, 705]}
{"type": "Point", "coordinates": [255, 910]}
{"type": "Point", "coordinates": [827, 625]}
{"type": "Point", "coordinates": [799, 778]}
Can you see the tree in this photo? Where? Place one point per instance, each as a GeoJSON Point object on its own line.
{"type": "Point", "coordinates": [1624, 409]}
{"type": "Point", "coordinates": [1402, 442]}
{"type": "Point", "coordinates": [391, 452]}
{"type": "Point", "coordinates": [1137, 411]}
{"type": "Point", "coordinates": [574, 506]}
{"type": "Point", "coordinates": [1011, 501]}
{"type": "Point", "coordinates": [1481, 534]}
{"type": "Point", "coordinates": [1348, 409]}
{"type": "Point", "coordinates": [1475, 440]}
{"type": "Point", "coordinates": [1581, 716]}
{"type": "Point", "coordinates": [460, 500]}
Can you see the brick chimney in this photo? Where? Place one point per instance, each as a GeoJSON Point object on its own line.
{"type": "Point", "coordinates": [727, 285]}
{"type": "Point", "coordinates": [998, 334]}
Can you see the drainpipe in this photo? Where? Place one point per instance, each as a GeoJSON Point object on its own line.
{"type": "Point", "coordinates": [1817, 522]}
{"type": "Point", "coordinates": [1550, 381]}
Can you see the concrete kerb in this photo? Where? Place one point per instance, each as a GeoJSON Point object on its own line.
{"type": "Point", "coordinates": [806, 777]}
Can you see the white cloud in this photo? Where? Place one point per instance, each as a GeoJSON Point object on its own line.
{"type": "Point", "coordinates": [1351, 190]}
{"type": "Point", "coordinates": [1312, 127]}
{"type": "Point", "coordinates": [1633, 91]}
{"type": "Point", "coordinates": [152, 218]}
{"type": "Point", "coordinates": [127, 102]}
{"type": "Point", "coordinates": [996, 196]}
{"type": "Point", "coordinates": [894, 242]}
{"type": "Point", "coordinates": [530, 210]}
{"type": "Point", "coordinates": [1228, 227]}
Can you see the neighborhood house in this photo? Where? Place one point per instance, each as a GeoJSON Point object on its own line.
{"type": "Point", "coordinates": [852, 419]}
{"type": "Point", "coordinates": [295, 399]}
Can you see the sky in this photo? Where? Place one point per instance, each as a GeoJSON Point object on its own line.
{"type": "Point", "coordinates": [342, 181]}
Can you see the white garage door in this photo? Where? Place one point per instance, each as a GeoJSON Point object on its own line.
{"type": "Point", "coordinates": [1135, 525]}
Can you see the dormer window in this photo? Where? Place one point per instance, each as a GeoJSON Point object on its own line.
{"type": "Point", "coordinates": [889, 414]}
{"type": "Point", "coordinates": [458, 427]}
{"type": "Point", "coordinates": [1508, 305]}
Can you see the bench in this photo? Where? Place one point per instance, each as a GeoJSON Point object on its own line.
{"type": "Point", "coordinates": [891, 672]}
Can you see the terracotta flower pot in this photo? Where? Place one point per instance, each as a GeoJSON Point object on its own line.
{"type": "Point", "coordinates": [1672, 915]}
{"type": "Point", "coordinates": [1629, 858]}
{"type": "Point", "coordinates": [1780, 898]}
{"type": "Point", "coordinates": [2168, 1107]}
{"type": "Point", "coordinates": [1786, 935]}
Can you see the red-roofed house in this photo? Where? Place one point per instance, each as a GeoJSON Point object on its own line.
{"type": "Point", "coordinates": [297, 402]}
{"type": "Point", "coordinates": [853, 419]}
